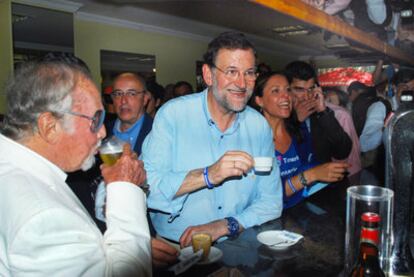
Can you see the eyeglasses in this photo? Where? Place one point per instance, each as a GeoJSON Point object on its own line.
{"type": "Point", "coordinates": [97, 119]}
{"type": "Point", "coordinates": [234, 74]}
{"type": "Point", "coordinates": [129, 93]}
{"type": "Point", "coordinates": [301, 89]}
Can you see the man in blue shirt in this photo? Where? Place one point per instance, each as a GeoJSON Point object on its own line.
{"type": "Point", "coordinates": [199, 154]}
{"type": "Point", "coordinates": [369, 111]}
{"type": "Point", "coordinates": [130, 97]}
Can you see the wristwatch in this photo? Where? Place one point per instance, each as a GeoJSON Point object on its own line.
{"type": "Point", "coordinates": [302, 179]}
{"type": "Point", "coordinates": [232, 226]}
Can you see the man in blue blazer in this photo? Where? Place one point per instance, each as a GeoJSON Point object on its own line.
{"type": "Point", "coordinates": [130, 98]}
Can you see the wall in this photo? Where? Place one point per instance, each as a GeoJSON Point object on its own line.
{"type": "Point", "coordinates": [175, 57]}
{"type": "Point", "coordinates": [6, 49]}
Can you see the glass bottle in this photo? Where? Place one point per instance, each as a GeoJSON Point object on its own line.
{"type": "Point", "coordinates": [368, 264]}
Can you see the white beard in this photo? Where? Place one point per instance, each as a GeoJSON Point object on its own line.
{"type": "Point", "coordinates": [90, 160]}
{"type": "Point", "coordinates": [88, 163]}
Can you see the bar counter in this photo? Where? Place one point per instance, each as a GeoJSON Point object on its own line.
{"type": "Point", "coordinates": [320, 219]}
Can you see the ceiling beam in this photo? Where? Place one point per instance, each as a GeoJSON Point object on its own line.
{"type": "Point", "coordinates": [313, 16]}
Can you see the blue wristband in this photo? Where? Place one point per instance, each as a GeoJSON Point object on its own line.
{"type": "Point", "coordinates": [206, 180]}
{"type": "Point", "coordinates": [292, 187]}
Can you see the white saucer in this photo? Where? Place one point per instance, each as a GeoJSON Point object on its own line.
{"type": "Point", "coordinates": [278, 240]}
{"type": "Point", "coordinates": [214, 255]}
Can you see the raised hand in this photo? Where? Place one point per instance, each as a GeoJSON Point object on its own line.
{"type": "Point", "coordinates": [304, 107]}
{"type": "Point", "coordinates": [232, 163]}
{"type": "Point", "coordinates": [329, 172]}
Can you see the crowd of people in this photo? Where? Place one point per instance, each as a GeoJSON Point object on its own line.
{"type": "Point", "coordinates": [195, 152]}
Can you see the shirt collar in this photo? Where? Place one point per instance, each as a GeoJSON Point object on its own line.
{"type": "Point", "coordinates": [131, 129]}
{"type": "Point", "coordinates": [131, 134]}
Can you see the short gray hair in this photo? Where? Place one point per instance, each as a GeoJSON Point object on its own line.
{"type": "Point", "coordinates": [38, 87]}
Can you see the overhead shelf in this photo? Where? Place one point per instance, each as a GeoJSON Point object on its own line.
{"type": "Point", "coordinates": [313, 16]}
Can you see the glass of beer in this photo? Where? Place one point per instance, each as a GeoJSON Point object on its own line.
{"type": "Point", "coordinates": [111, 150]}
{"type": "Point", "coordinates": [202, 241]}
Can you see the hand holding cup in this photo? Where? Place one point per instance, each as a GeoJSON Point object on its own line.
{"type": "Point", "coordinates": [263, 164]}
{"type": "Point", "coordinates": [232, 163]}
{"type": "Point", "coordinates": [202, 241]}
{"type": "Point", "coordinates": [127, 168]}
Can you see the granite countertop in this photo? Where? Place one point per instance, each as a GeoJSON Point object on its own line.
{"type": "Point", "coordinates": [320, 219]}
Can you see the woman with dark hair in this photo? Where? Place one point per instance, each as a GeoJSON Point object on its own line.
{"type": "Point", "coordinates": [293, 147]}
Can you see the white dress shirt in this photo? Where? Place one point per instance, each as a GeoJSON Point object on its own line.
{"type": "Point", "coordinates": [46, 231]}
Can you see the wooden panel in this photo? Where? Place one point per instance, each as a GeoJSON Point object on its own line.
{"type": "Point", "coordinates": [311, 15]}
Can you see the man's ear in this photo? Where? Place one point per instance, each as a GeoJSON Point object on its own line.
{"type": "Point", "coordinates": [207, 75]}
{"type": "Point", "coordinates": [49, 127]}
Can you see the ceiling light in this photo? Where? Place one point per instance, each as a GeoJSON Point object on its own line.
{"type": "Point", "coordinates": [293, 30]}
{"type": "Point", "coordinates": [282, 29]}
{"type": "Point", "coordinates": [295, 33]}
{"type": "Point", "coordinates": [406, 13]}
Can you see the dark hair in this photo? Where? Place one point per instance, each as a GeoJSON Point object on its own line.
{"type": "Point", "coordinates": [291, 123]}
{"type": "Point", "coordinates": [156, 90]}
{"type": "Point", "coordinates": [263, 68]}
{"type": "Point", "coordinates": [357, 85]}
{"type": "Point", "coordinates": [300, 70]}
{"type": "Point", "coordinates": [183, 83]}
{"type": "Point", "coordinates": [227, 40]}
{"type": "Point", "coordinates": [342, 95]}
{"type": "Point", "coordinates": [262, 80]}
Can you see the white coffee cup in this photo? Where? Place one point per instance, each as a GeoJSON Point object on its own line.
{"type": "Point", "coordinates": [263, 164]}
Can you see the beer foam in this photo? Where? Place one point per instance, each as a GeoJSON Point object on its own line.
{"type": "Point", "coordinates": [110, 149]}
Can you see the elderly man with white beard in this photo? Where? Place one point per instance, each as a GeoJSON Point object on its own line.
{"type": "Point", "coordinates": [53, 125]}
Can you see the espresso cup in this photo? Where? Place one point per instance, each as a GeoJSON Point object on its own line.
{"type": "Point", "coordinates": [263, 164]}
{"type": "Point", "coordinates": [202, 241]}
